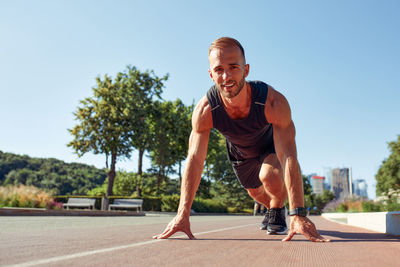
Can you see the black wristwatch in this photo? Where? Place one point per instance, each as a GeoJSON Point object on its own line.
{"type": "Point", "coordinates": [298, 211]}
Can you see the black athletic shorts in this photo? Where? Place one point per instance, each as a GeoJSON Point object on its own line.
{"type": "Point", "coordinates": [248, 170]}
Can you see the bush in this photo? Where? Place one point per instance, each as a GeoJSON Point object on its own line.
{"type": "Point", "coordinates": [26, 197]}
{"type": "Point", "coordinates": [208, 205]}
{"type": "Point", "coordinates": [360, 205]}
{"type": "Point", "coordinates": [54, 205]}
{"type": "Point", "coordinates": [392, 205]}
{"type": "Point", "coordinates": [99, 191]}
{"type": "Point", "coordinates": [370, 206]}
{"type": "Point", "coordinates": [152, 203]}
{"type": "Point", "coordinates": [170, 203]}
{"type": "Point", "coordinates": [342, 207]}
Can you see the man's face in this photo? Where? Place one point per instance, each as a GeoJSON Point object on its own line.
{"type": "Point", "coordinates": [228, 70]}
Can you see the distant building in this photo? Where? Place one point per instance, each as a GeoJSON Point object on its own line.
{"type": "Point", "coordinates": [360, 188]}
{"type": "Point", "coordinates": [327, 173]}
{"type": "Point", "coordinates": [340, 185]}
{"type": "Point", "coordinates": [310, 180]}
{"type": "Point", "coordinates": [317, 183]}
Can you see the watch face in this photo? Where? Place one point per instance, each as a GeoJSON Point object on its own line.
{"type": "Point", "coordinates": [302, 211]}
{"type": "Point", "coordinates": [299, 211]}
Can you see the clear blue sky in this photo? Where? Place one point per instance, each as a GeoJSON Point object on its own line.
{"type": "Point", "coordinates": [337, 62]}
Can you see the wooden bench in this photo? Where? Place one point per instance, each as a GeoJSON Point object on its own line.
{"type": "Point", "coordinates": [80, 203]}
{"type": "Point", "coordinates": [126, 204]}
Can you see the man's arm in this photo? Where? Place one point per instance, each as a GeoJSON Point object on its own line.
{"type": "Point", "coordinates": [198, 142]}
{"type": "Point", "coordinates": [277, 112]}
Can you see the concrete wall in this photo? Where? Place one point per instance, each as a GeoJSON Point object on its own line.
{"type": "Point", "coordinates": [383, 222]}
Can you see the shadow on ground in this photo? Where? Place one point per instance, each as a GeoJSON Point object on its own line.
{"type": "Point", "coordinates": [359, 237]}
{"type": "Point", "coordinates": [334, 236]}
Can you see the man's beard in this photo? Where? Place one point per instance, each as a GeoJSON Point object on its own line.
{"type": "Point", "coordinates": [233, 93]}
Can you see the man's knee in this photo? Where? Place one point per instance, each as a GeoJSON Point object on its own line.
{"type": "Point", "coordinates": [271, 175]}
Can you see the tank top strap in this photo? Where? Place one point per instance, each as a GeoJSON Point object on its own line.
{"type": "Point", "coordinates": [259, 96]}
{"type": "Point", "coordinates": [260, 92]}
{"type": "Point", "coordinates": [213, 99]}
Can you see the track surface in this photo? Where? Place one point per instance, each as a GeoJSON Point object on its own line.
{"type": "Point", "coordinates": [221, 241]}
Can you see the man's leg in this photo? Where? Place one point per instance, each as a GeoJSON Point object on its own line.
{"type": "Point", "coordinates": [264, 183]}
{"type": "Point", "coordinates": [261, 197]}
{"type": "Point", "coordinates": [271, 176]}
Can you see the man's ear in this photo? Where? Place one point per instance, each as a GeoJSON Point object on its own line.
{"type": "Point", "coordinates": [246, 70]}
{"type": "Point", "coordinates": [210, 72]}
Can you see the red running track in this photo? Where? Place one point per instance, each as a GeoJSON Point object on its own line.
{"type": "Point", "coordinates": [221, 241]}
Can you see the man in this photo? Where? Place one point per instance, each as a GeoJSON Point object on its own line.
{"type": "Point", "coordinates": [256, 121]}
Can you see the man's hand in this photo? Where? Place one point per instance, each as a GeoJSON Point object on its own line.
{"type": "Point", "coordinates": [302, 225]}
{"type": "Point", "coordinates": [178, 224]}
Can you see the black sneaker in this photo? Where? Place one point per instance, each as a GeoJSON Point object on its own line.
{"type": "Point", "coordinates": [277, 221]}
{"type": "Point", "coordinates": [264, 223]}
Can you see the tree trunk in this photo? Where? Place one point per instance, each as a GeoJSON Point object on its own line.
{"type": "Point", "coordinates": [111, 175]}
{"type": "Point", "coordinates": [107, 161]}
{"type": "Point", "coordinates": [159, 177]}
{"type": "Point", "coordinates": [140, 172]}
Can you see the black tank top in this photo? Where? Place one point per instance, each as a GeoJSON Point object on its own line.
{"type": "Point", "coordinates": [250, 137]}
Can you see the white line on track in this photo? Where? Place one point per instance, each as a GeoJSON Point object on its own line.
{"type": "Point", "coordinates": [104, 250]}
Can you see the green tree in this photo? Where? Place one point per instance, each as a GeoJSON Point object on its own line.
{"type": "Point", "coordinates": [215, 148]}
{"type": "Point", "coordinates": [104, 125]}
{"type": "Point", "coordinates": [182, 115]}
{"type": "Point", "coordinates": [142, 87]}
{"type": "Point", "coordinates": [309, 197]}
{"type": "Point", "coordinates": [320, 201]}
{"type": "Point", "coordinates": [312, 200]}
{"type": "Point", "coordinates": [124, 185]}
{"type": "Point", "coordinates": [163, 132]}
{"type": "Point", "coordinates": [388, 176]}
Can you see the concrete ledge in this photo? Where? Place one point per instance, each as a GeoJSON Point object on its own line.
{"type": "Point", "coordinates": [44, 212]}
{"type": "Point", "coordinates": [383, 222]}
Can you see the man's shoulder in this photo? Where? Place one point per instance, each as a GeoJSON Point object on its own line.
{"type": "Point", "coordinates": [274, 95]}
{"type": "Point", "coordinates": [277, 109]}
{"type": "Point", "coordinates": [202, 118]}
{"type": "Point", "coordinates": [202, 105]}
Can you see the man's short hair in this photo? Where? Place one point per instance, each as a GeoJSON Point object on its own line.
{"type": "Point", "coordinates": [226, 42]}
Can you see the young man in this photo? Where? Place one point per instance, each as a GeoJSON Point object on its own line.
{"type": "Point", "coordinates": [256, 121]}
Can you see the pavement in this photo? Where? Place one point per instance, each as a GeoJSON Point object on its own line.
{"type": "Point", "coordinates": [221, 241]}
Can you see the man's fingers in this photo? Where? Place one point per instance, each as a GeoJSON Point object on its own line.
{"type": "Point", "coordinates": [189, 234]}
{"type": "Point", "coordinates": [314, 236]}
{"type": "Point", "coordinates": [323, 239]}
{"type": "Point", "coordinates": [167, 233]}
{"type": "Point", "coordinates": [170, 231]}
{"type": "Point", "coordinates": [319, 239]}
{"type": "Point", "coordinates": [313, 239]}
{"type": "Point", "coordinates": [289, 236]}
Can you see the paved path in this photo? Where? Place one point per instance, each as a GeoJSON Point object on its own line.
{"type": "Point", "coordinates": [221, 241]}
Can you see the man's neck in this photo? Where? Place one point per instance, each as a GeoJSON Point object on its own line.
{"type": "Point", "coordinates": [242, 100]}
{"type": "Point", "coordinates": [239, 106]}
